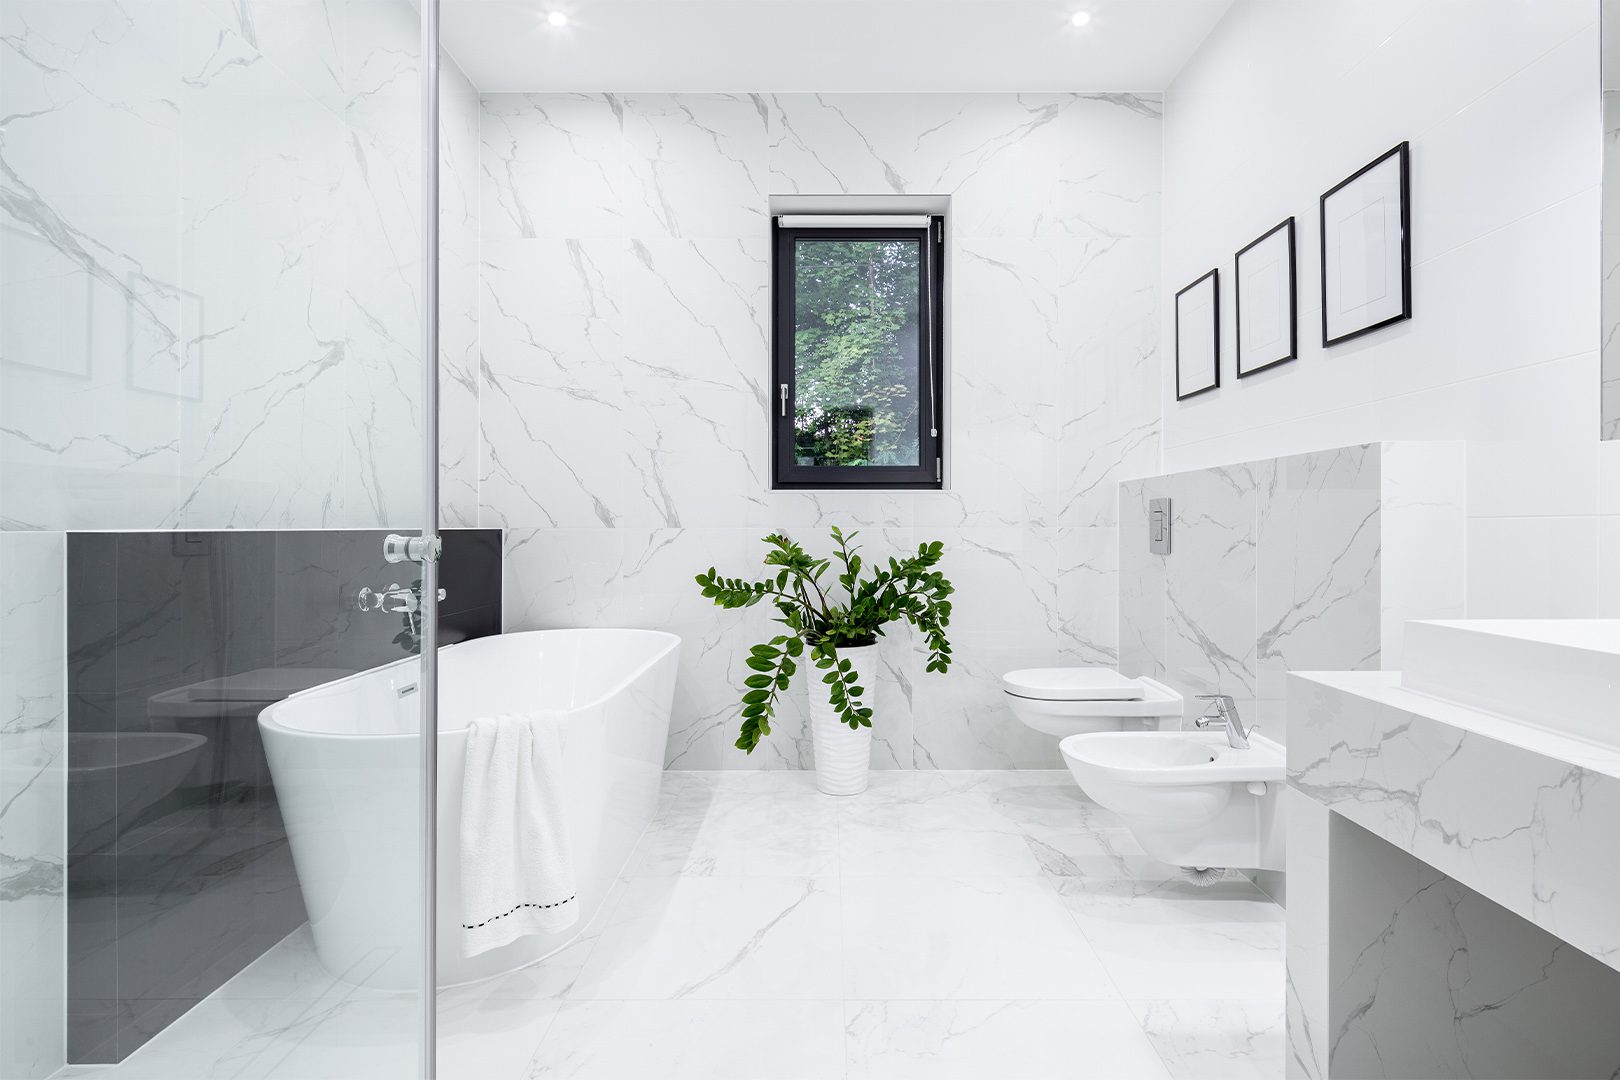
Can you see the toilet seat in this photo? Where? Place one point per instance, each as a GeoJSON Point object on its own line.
{"type": "Point", "coordinates": [1069, 701]}
{"type": "Point", "coordinates": [1073, 684]}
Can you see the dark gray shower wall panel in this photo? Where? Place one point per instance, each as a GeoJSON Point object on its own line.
{"type": "Point", "coordinates": [179, 873]}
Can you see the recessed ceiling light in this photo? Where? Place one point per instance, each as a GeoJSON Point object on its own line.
{"type": "Point", "coordinates": [1080, 18]}
{"type": "Point", "coordinates": [557, 18]}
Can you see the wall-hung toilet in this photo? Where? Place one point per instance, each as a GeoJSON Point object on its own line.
{"type": "Point", "coordinates": [1072, 700]}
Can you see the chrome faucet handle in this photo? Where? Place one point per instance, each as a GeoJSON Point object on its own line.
{"type": "Point", "coordinates": [393, 599]}
{"type": "Point", "coordinates": [400, 601]}
{"type": "Point", "coordinates": [1225, 711]}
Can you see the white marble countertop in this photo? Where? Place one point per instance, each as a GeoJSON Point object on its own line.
{"type": "Point", "coordinates": [1385, 688]}
{"type": "Point", "coordinates": [1527, 817]}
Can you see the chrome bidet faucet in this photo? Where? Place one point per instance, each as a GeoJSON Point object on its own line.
{"type": "Point", "coordinates": [1223, 710]}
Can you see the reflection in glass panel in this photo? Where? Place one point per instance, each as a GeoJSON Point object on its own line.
{"type": "Point", "coordinates": [211, 393]}
{"type": "Point", "coordinates": [855, 342]}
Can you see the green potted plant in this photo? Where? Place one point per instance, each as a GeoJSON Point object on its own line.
{"type": "Point", "coordinates": [835, 626]}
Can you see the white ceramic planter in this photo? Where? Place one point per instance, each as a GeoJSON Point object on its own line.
{"type": "Point", "coordinates": [843, 755]}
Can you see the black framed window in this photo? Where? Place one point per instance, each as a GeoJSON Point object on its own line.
{"type": "Point", "coordinates": [857, 327]}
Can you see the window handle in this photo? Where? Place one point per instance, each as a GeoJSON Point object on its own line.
{"type": "Point", "coordinates": [784, 398]}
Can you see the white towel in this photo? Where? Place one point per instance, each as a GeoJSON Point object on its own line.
{"type": "Point", "coordinates": [517, 873]}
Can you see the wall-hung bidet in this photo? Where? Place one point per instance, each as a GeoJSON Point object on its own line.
{"type": "Point", "coordinates": [1194, 799]}
{"type": "Point", "coordinates": [1071, 700]}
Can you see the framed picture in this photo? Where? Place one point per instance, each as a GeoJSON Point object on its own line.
{"type": "Point", "coordinates": [1198, 337]}
{"type": "Point", "coordinates": [1267, 299]}
{"type": "Point", "coordinates": [1367, 249]}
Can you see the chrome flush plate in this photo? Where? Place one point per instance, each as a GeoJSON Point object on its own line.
{"type": "Point", "coordinates": [1159, 526]}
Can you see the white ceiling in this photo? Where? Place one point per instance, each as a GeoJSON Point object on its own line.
{"type": "Point", "coordinates": [825, 45]}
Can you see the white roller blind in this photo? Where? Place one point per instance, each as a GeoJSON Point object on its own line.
{"type": "Point", "coordinates": [854, 221]}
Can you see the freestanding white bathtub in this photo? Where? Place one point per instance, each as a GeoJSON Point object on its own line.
{"type": "Point", "coordinates": [345, 761]}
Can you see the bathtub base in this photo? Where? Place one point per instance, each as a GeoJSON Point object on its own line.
{"type": "Point", "coordinates": [345, 762]}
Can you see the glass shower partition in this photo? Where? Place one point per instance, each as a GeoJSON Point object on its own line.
{"type": "Point", "coordinates": [215, 402]}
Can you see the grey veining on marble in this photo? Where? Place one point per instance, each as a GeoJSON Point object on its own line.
{"type": "Point", "coordinates": [1310, 901]}
{"type": "Point", "coordinates": [1274, 566]}
{"type": "Point", "coordinates": [1431, 979]}
{"type": "Point", "coordinates": [827, 947]}
{"type": "Point", "coordinates": [1525, 819]}
{"type": "Point", "coordinates": [625, 336]}
{"type": "Point", "coordinates": [458, 297]}
{"type": "Point", "coordinates": [33, 798]}
{"type": "Point", "coordinates": [231, 336]}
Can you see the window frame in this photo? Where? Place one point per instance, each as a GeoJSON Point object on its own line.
{"type": "Point", "coordinates": [929, 472]}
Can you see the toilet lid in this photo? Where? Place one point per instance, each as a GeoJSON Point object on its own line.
{"type": "Point", "coordinates": [1074, 684]}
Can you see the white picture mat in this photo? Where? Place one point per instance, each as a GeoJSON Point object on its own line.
{"type": "Point", "coordinates": [1195, 337]}
{"type": "Point", "coordinates": [1362, 263]}
{"type": "Point", "coordinates": [1265, 302]}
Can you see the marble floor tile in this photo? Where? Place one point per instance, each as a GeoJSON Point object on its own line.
{"type": "Point", "coordinates": [693, 1040]}
{"type": "Point", "coordinates": [965, 823]}
{"type": "Point", "coordinates": [251, 1038]}
{"type": "Point", "coordinates": [1174, 939]}
{"type": "Point", "coordinates": [1216, 1040]}
{"type": "Point", "coordinates": [1008, 1040]}
{"type": "Point", "coordinates": [744, 938]}
{"type": "Point", "coordinates": [1094, 853]}
{"type": "Point", "coordinates": [748, 830]}
{"type": "Point", "coordinates": [1048, 798]}
{"type": "Point", "coordinates": [951, 834]}
{"type": "Point", "coordinates": [955, 938]}
{"type": "Point", "coordinates": [940, 926]}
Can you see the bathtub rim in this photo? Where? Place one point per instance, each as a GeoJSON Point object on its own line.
{"type": "Point", "coordinates": [269, 718]}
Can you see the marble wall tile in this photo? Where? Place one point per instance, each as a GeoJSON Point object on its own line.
{"type": "Point", "coordinates": [1143, 580]}
{"type": "Point", "coordinates": [33, 798]}
{"type": "Point", "coordinates": [231, 337]}
{"type": "Point", "coordinates": [459, 117]}
{"type": "Point", "coordinates": [1089, 582]}
{"type": "Point", "coordinates": [1318, 559]}
{"type": "Point", "coordinates": [624, 382]}
{"type": "Point", "coordinates": [625, 353]}
{"type": "Point", "coordinates": [1431, 979]}
{"type": "Point", "coordinates": [1274, 567]}
{"type": "Point", "coordinates": [1210, 633]}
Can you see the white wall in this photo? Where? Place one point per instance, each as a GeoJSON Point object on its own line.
{"type": "Point", "coordinates": [1500, 101]}
{"type": "Point", "coordinates": [625, 348]}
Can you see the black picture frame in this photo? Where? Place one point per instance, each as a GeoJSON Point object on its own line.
{"type": "Point", "coordinates": [1214, 279]}
{"type": "Point", "coordinates": [1286, 227]}
{"type": "Point", "coordinates": [1402, 152]}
